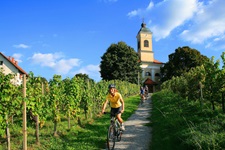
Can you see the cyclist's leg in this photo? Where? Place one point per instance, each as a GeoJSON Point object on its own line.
{"type": "Point", "coordinates": [121, 122]}
{"type": "Point", "coordinates": [142, 97]}
{"type": "Point", "coordinates": [117, 112]}
{"type": "Point", "coordinates": [119, 118]}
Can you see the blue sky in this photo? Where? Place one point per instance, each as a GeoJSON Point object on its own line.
{"type": "Point", "coordinates": [67, 37]}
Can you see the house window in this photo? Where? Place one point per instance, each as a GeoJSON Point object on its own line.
{"type": "Point", "coordinates": [146, 43]}
{"type": "Point", "coordinates": [147, 74]}
{"type": "Point", "coordinates": [1, 62]}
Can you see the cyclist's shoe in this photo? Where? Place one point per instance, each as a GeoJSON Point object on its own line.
{"type": "Point", "coordinates": [122, 127]}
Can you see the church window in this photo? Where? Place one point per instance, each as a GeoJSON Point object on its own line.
{"type": "Point", "coordinates": [138, 44]}
{"type": "Point", "coordinates": [146, 43]}
{"type": "Point", "coordinates": [1, 62]}
{"type": "Point", "coordinates": [147, 74]}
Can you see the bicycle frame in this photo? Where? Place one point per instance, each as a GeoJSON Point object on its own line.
{"type": "Point", "coordinates": [115, 123]}
{"type": "Point", "coordinates": [114, 132]}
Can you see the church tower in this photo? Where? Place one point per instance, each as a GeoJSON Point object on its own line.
{"type": "Point", "coordinates": [150, 66]}
{"type": "Point", "coordinates": [144, 43]}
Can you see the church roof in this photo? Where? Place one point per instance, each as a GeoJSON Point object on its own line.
{"type": "Point", "coordinates": [157, 62]}
{"type": "Point", "coordinates": [154, 62]}
{"type": "Point", "coordinates": [148, 81]}
{"type": "Point", "coordinates": [144, 28]}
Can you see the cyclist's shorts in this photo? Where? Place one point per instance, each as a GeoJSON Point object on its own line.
{"type": "Point", "coordinates": [115, 111]}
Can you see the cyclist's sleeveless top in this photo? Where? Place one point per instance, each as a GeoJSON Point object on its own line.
{"type": "Point", "coordinates": [114, 100]}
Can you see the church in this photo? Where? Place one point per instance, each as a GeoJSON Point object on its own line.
{"type": "Point", "coordinates": [150, 66]}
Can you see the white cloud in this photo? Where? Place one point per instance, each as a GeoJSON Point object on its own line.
{"type": "Point", "coordinates": [150, 6]}
{"type": "Point", "coordinates": [196, 21]}
{"type": "Point", "coordinates": [208, 23]}
{"type": "Point", "coordinates": [175, 13]}
{"type": "Point", "coordinates": [167, 15]}
{"type": "Point", "coordinates": [17, 57]}
{"type": "Point", "coordinates": [64, 66]}
{"type": "Point", "coordinates": [141, 12]}
{"type": "Point", "coordinates": [133, 13]}
{"type": "Point", "coordinates": [21, 46]}
{"type": "Point", "coordinates": [48, 60]}
{"type": "Point", "coordinates": [55, 61]}
{"type": "Point", "coordinates": [217, 43]}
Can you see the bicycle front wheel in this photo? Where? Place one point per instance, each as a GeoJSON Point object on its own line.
{"type": "Point", "coordinates": [111, 137]}
{"type": "Point", "coordinates": [119, 135]}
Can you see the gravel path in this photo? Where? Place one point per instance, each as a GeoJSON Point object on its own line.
{"type": "Point", "coordinates": [137, 136]}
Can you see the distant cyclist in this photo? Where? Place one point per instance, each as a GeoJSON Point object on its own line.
{"type": "Point", "coordinates": [142, 93]}
{"type": "Point", "coordinates": [146, 91]}
{"type": "Point", "coordinates": [116, 104]}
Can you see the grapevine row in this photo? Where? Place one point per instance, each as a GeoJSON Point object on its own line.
{"type": "Point", "coordinates": [48, 101]}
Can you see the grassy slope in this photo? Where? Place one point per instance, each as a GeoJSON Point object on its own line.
{"type": "Point", "coordinates": [181, 124]}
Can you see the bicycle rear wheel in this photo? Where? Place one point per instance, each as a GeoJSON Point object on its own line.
{"type": "Point", "coordinates": [111, 138]}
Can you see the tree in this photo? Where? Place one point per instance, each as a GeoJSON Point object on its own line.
{"type": "Point", "coordinates": [120, 62]}
{"type": "Point", "coordinates": [84, 76]}
{"type": "Point", "coordinates": [182, 61]}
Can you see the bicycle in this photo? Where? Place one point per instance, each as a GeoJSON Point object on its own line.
{"type": "Point", "coordinates": [146, 94]}
{"type": "Point", "coordinates": [114, 133]}
{"type": "Point", "coordinates": [142, 99]}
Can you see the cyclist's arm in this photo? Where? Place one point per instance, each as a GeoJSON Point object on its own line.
{"type": "Point", "coordinates": [104, 105]}
{"type": "Point", "coordinates": [122, 101]}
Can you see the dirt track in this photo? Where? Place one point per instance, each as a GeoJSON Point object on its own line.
{"type": "Point", "coordinates": [137, 136]}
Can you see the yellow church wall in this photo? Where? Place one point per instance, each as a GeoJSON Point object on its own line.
{"type": "Point", "coordinates": [147, 37]}
{"type": "Point", "coordinates": [147, 56]}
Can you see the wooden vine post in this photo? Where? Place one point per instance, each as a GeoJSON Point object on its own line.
{"type": "Point", "coordinates": [8, 133]}
{"type": "Point", "coordinates": [24, 114]}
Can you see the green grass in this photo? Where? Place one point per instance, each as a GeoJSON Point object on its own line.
{"type": "Point", "coordinates": [91, 136]}
{"type": "Point", "coordinates": [181, 124]}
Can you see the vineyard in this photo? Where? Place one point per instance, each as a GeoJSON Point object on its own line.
{"type": "Point", "coordinates": [204, 83]}
{"type": "Point", "coordinates": [189, 112]}
{"type": "Point", "coordinates": [74, 99]}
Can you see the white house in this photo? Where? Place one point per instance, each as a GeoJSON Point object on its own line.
{"type": "Point", "coordinates": [10, 65]}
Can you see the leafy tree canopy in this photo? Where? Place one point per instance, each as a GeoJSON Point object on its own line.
{"type": "Point", "coordinates": [182, 61]}
{"type": "Point", "coordinates": [120, 62]}
{"type": "Point", "coordinates": [84, 76]}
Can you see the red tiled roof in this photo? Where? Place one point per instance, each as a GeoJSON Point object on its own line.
{"type": "Point", "coordinates": [149, 81]}
{"type": "Point", "coordinates": [14, 63]}
{"type": "Point", "coordinates": [157, 62]}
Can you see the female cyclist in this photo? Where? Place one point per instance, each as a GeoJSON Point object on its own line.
{"type": "Point", "coordinates": [116, 104]}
